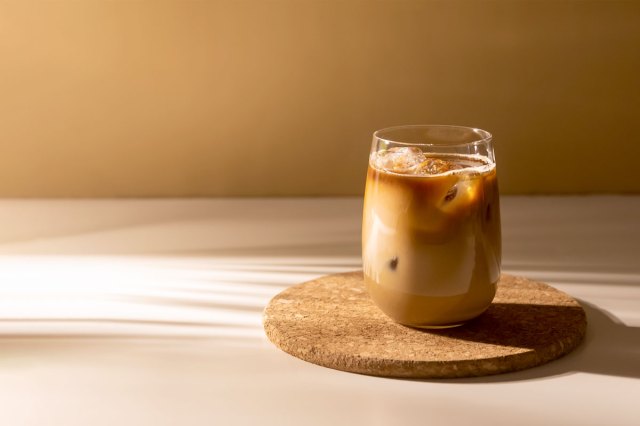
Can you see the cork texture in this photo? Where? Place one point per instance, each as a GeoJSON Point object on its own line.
{"type": "Point", "coordinates": [332, 322]}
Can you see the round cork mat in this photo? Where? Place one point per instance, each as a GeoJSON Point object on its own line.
{"type": "Point", "coordinates": [332, 322]}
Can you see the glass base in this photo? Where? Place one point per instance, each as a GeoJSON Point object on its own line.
{"type": "Point", "coordinates": [436, 327]}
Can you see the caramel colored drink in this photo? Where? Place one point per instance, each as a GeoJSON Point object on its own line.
{"type": "Point", "coordinates": [431, 234]}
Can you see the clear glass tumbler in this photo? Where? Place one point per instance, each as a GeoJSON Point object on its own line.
{"type": "Point", "coordinates": [431, 243]}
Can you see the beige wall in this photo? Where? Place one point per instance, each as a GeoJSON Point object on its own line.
{"type": "Point", "coordinates": [179, 98]}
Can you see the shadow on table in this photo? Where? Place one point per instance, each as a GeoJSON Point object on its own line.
{"type": "Point", "coordinates": [609, 348]}
{"type": "Point", "coordinates": [129, 301]}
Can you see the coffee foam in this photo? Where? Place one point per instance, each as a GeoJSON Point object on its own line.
{"type": "Point", "coordinates": [407, 162]}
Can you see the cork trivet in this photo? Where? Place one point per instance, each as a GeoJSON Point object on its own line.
{"type": "Point", "coordinates": [332, 322]}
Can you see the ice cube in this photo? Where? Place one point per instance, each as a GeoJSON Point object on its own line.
{"type": "Point", "coordinates": [393, 263]}
{"type": "Point", "coordinates": [434, 166]}
{"type": "Point", "coordinates": [451, 194]}
{"type": "Point", "coordinates": [399, 159]}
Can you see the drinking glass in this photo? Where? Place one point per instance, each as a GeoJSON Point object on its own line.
{"type": "Point", "coordinates": [431, 243]}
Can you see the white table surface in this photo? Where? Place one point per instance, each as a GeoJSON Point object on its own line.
{"type": "Point", "coordinates": [136, 312]}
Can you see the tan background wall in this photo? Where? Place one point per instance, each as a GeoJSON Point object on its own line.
{"type": "Point", "coordinates": [179, 98]}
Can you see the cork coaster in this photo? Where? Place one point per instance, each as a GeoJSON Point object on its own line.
{"type": "Point", "coordinates": [332, 322]}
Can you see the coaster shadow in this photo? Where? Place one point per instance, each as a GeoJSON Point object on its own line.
{"type": "Point", "coordinates": [609, 347]}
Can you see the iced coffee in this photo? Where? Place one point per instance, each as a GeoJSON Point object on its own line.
{"type": "Point", "coordinates": [431, 233]}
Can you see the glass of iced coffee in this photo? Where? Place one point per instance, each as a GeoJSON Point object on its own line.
{"type": "Point", "coordinates": [431, 243]}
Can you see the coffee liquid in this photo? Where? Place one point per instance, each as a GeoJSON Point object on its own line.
{"type": "Point", "coordinates": [431, 236]}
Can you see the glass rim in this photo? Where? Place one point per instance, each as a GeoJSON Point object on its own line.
{"type": "Point", "coordinates": [484, 136]}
